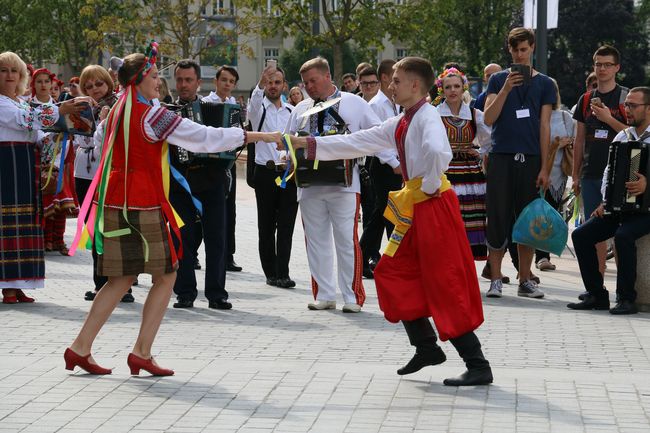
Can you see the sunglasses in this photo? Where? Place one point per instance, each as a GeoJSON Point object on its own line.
{"type": "Point", "coordinates": [97, 84]}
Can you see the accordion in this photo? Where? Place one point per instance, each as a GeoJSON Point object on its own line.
{"type": "Point", "coordinates": [626, 159]}
{"type": "Point", "coordinates": [209, 114]}
{"type": "Point", "coordinates": [310, 173]}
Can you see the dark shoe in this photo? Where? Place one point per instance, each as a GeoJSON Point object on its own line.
{"type": "Point", "coordinates": [128, 298]}
{"type": "Point", "coordinates": [368, 273]}
{"type": "Point", "coordinates": [285, 283]}
{"type": "Point", "coordinates": [372, 264]}
{"type": "Point", "coordinates": [479, 376]}
{"type": "Point", "coordinates": [583, 295]}
{"type": "Point", "coordinates": [233, 267]}
{"type": "Point", "coordinates": [624, 307]}
{"type": "Point", "coordinates": [421, 359]}
{"type": "Point", "coordinates": [272, 281]}
{"type": "Point", "coordinates": [181, 303]}
{"type": "Point", "coordinates": [135, 282]}
{"type": "Point", "coordinates": [90, 295]}
{"type": "Point", "coordinates": [590, 303]}
{"type": "Point", "coordinates": [197, 265]}
{"type": "Point", "coordinates": [487, 274]}
{"type": "Point", "coordinates": [221, 304]}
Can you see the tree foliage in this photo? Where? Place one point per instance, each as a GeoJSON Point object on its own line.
{"type": "Point", "coordinates": [470, 32]}
{"type": "Point", "coordinates": [363, 22]}
{"type": "Point", "coordinates": [583, 26]}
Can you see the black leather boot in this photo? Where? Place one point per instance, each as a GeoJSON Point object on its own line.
{"type": "Point", "coordinates": [427, 352]}
{"type": "Point", "coordinates": [478, 368]}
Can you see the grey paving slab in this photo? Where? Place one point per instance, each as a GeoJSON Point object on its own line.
{"type": "Point", "coordinates": [271, 365]}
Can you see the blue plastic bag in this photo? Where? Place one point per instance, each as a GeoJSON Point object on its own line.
{"type": "Point", "coordinates": [541, 227]}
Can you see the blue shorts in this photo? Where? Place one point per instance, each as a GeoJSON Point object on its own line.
{"type": "Point", "coordinates": [591, 196]}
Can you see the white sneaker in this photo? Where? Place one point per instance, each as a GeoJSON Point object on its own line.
{"type": "Point", "coordinates": [322, 305]}
{"type": "Point", "coordinates": [351, 308]}
{"type": "Point", "coordinates": [496, 289]}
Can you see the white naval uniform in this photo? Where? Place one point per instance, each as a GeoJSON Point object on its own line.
{"type": "Point", "coordinates": [332, 212]}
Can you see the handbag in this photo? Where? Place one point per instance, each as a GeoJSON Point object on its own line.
{"type": "Point", "coordinates": [541, 227]}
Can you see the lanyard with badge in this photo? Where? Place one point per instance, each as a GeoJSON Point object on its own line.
{"type": "Point", "coordinates": [523, 112]}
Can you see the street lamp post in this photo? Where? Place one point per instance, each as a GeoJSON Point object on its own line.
{"type": "Point", "coordinates": [541, 48]}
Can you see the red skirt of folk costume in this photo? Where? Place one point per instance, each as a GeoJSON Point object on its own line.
{"type": "Point", "coordinates": [433, 272]}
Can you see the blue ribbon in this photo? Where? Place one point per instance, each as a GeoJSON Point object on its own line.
{"type": "Point", "coordinates": [283, 183]}
{"type": "Point", "coordinates": [186, 186]}
{"type": "Point", "coordinates": [59, 180]}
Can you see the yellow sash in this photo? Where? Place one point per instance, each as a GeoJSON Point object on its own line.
{"type": "Point", "coordinates": [399, 210]}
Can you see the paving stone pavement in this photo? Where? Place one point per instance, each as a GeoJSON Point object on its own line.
{"type": "Point", "coordinates": [271, 365]}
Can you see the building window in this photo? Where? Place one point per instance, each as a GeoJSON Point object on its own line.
{"type": "Point", "coordinates": [271, 53]}
{"type": "Point", "coordinates": [400, 53]}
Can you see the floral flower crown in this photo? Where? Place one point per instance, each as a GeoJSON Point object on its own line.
{"type": "Point", "coordinates": [150, 57]}
{"type": "Point", "coordinates": [451, 72]}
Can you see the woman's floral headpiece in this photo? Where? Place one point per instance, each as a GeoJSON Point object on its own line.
{"type": "Point", "coordinates": [150, 57]}
{"type": "Point", "coordinates": [451, 72]}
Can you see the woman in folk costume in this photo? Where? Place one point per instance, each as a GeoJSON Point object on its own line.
{"type": "Point", "coordinates": [96, 82]}
{"type": "Point", "coordinates": [22, 265]}
{"type": "Point", "coordinates": [427, 269]}
{"type": "Point", "coordinates": [57, 161]}
{"type": "Point", "coordinates": [130, 211]}
{"type": "Point", "coordinates": [466, 132]}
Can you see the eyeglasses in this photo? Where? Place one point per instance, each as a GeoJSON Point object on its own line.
{"type": "Point", "coordinates": [632, 105]}
{"type": "Point", "coordinates": [98, 84]}
{"type": "Point", "coordinates": [604, 65]}
{"type": "Point", "coordinates": [368, 83]}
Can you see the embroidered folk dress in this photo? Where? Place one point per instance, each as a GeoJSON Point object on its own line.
{"type": "Point", "coordinates": [138, 186]}
{"type": "Point", "coordinates": [465, 171]}
{"type": "Point", "coordinates": [22, 265]}
{"type": "Point", "coordinates": [431, 272]}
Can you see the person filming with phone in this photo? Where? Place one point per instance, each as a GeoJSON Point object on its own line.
{"type": "Point", "coordinates": [518, 107]}
{"type": "Point", "coordinates": [600, 114]}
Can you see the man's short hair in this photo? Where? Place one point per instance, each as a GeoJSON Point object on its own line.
{"type": "Point", "coordinates": [349, 75]}
{"type": "Point", "coordinates": [608, 50]}
{"type": "Point", "coordinates": [229, 69]}
{"type": "Point", "coordinates": [187, 64]}
{"type": "Point", "coordinates": [361, 66]}
{"type": "Point", "coordinates": [319, 63]}
{"type": "Point", "coordinates": [418, 66]}
{"type": "Point", "coordinates": [646, 93]}
{"type": "Point", "coordinates": [385, 67]}
{"type": "Point", "coordinates": [368, 71]}
{"type": "Point", "coordinates": [521, 34]}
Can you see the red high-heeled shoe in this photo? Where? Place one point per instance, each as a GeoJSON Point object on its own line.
{"type": "Point", "coordinates": [22, 297]}
{"type": "Point", "coordinates": [136, 364]}
{"type": "Point", "coordinates": [8, 299]}
{"type": "Point", "coordinates": [73, 360]}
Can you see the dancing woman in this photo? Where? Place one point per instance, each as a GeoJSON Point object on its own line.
{"type": "Point", "coordinates": [130, 212]}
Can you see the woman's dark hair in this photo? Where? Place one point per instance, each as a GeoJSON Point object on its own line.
{"type": "Point", "coordinates": [133, 65]}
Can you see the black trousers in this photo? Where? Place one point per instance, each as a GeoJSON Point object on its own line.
{"type": "Point", "coordinates": [367, 196]}
{"type": "Point", "coordinates": [231, 213]}
{"type": "Point", "coordinates": [384, 180]}
{"type": "Point", "coordinates": [276, 218]}
{"type": "Point", "coordinates": [626, 230]}
{"type": "Point", "coordinates": [214, 237]}
{"type": "Point", "coordinates": [82, 186]}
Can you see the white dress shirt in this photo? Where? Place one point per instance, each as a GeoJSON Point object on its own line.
{"type": "Point", "coordinates": [276, 119]}
{"type": "Point", "coordinates": [385, 109]}
{"type": "Point", "coordinates": [427, 148]}
{"type": "Point", "coordinates": [213, 97]}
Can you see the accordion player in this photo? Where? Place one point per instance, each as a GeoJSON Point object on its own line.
{"type": "Point", "coordinates": [338, 173]}
{"type": "Point", "coordinates": [624, 161]}
{"type": "Point", "coordinates": [209, 114]}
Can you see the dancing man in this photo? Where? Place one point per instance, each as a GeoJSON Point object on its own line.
{"type": "Point", "coordinates": [413, 281]}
